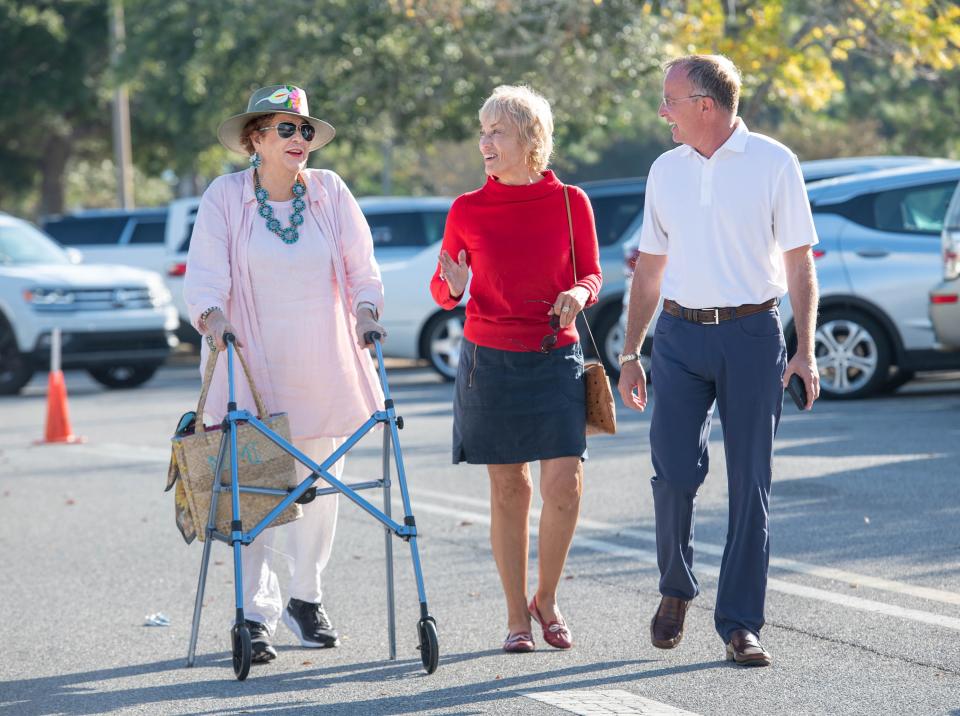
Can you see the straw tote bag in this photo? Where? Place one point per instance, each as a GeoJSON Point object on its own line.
{"type": "Point", "coordinates": [601, 410]}
{"type": "Point", "coordinates": [262, 464]}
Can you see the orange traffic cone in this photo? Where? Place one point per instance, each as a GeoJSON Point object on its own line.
{"type": "Point", "coordinates": [58, 416]}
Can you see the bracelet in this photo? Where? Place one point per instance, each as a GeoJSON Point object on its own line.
{"type": "Point", "coordinates": [203, 316]}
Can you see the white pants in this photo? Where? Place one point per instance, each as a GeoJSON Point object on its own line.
{"type": "Point", "coordinates": [309, 542]}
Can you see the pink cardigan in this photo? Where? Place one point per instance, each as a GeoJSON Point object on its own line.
{"type": "Point", "coordinates": [218, 275]}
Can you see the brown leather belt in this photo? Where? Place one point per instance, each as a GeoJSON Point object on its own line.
{"type": "Point", "coordinates": [712, 316]}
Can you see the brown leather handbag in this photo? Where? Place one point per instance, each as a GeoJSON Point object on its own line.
{"type": "Point", "coordinates": [601, 409]}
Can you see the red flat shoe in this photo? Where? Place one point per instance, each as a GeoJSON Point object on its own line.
{"type": "Point", "coordinates": [556, 634]}
{"type": "Point", "coordinates": [520, 642]}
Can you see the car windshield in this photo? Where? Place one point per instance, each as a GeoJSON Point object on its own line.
{"type": "Point", "coordinates": [20, 244]}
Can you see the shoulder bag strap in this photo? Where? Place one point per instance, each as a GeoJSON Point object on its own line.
{"type": "Point", "coordinates": [573, 256]}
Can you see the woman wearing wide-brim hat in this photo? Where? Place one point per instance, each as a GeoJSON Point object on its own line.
{"type": "Point", "coordinates": [282, 258]}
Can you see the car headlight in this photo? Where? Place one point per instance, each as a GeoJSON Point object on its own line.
{"type": "Point", "coordinates": [49, 297]}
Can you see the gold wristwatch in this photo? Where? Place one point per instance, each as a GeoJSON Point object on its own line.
{"type": "Point", "coordinates": [627, 357]}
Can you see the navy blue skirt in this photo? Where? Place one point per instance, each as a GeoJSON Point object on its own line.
{"type": "Point", "coordinates": [512, 407]}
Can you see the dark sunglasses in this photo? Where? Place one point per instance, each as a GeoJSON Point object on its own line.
{"type": "Point", "coordinates": [550, 340]}
{"type": "Point", "coordinates": [285, 130]}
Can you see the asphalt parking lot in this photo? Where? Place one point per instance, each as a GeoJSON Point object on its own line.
{"type": "Point", "coordinates": [863, 606]}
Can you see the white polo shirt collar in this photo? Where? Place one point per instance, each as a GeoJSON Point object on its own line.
{"type": "Point", "coordinates": [736, 142]}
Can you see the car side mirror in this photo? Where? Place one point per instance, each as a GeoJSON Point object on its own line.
{"type": "Point", "coordinates": [74, 256]}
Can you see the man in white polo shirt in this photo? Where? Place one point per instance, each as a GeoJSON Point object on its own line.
{"type": "Point", "coordinates": [727, 230]}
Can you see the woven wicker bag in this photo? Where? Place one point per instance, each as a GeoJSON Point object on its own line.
{"type": "Point", "coordinates": [262, 464]}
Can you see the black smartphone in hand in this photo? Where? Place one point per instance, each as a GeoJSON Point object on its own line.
{"type": "Point", "coordinates": [798, 391]}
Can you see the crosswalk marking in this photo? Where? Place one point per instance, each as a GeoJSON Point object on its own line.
{"type": "Point", "coordinates": [605, 701]}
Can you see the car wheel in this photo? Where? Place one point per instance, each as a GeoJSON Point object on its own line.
{"type": "Point", "coordinates": [123, 376]}
{"type": "Point", "coordinates": [609, 336]}
{"type": "Point", "coordinates": [853, 355]}
{"type": "Point", "coordinates": [15, 369]}
{"type": "Point", "coordinates": [441, 340]}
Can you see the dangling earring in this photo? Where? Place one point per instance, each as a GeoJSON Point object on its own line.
{"type": "Point", "coordinates": [255, 160]}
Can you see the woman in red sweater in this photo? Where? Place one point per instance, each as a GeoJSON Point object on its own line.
{"type": "Point", "coordinates": [519, 390]}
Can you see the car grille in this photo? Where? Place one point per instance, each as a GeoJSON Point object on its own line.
{"type": "Point", "coordinates": [99, 300]}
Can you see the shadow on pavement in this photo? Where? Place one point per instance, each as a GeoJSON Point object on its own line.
{"type": "Point", "coordinates": [75, 694]}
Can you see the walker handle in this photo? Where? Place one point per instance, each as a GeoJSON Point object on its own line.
{"type": "Point", "coordinates": [371, 336]}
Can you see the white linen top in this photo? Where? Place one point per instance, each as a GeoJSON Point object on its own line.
{"type": "Point", "coordinates": [219, 274]}
{"type": "Point", "coordinates": [302, 328]}
{"type": "Point", "coordinates": [724, 222]}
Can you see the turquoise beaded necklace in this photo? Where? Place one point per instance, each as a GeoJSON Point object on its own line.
{"type": "Point", "coordinates": [289, 235]}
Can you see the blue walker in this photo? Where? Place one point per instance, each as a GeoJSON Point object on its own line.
{"type": "Point", "coordinates": [303, 493]}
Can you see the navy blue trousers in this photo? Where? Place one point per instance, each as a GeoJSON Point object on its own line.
{"type": "Point", "coordinates": [738, 366]}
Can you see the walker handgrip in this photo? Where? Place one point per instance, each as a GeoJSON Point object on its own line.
{"type": "Point", "coordinates": [370, 336]}
{"type": "Point", "coordinates": [229, 338]}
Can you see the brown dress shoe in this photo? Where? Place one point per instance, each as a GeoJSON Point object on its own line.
{"type": "Point", "coordinates": [745, 648]}
{"type": "Point", "coordinates": [666, 627]}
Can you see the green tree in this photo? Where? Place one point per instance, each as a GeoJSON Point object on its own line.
{"type": "Point", "coordinates": [56, 94]}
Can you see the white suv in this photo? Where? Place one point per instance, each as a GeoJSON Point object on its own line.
{"type": "Point", "coordinates": [117, 322]}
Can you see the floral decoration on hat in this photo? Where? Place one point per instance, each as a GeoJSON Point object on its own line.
{"type": "Point", "coordinates": [289, 97]}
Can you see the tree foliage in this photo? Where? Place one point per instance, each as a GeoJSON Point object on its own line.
{"type": "Point", "coordinates": [402, 80]}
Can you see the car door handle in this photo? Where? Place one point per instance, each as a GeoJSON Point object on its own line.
{"type": "Point", "coordinates": [873, 253]}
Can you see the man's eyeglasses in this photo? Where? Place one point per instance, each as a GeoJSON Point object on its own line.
{"type": "Point", "coordinates": [285, 130]}
{"type": "Point", "coordinates": [668, 102]}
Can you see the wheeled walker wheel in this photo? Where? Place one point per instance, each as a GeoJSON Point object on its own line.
{"type": "Point", "coordinates": [429, 645]}
{"type": "Point", "coordinates": [242, 650]}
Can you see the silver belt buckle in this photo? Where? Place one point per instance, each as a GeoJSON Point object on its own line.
{"type": "Point", "coordinates": [716, 318]}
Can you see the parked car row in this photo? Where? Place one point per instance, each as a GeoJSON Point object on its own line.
{"type": "Point", "coordinates": [881, 250]}
{"type": "Point", "coordinates": [884, 242]}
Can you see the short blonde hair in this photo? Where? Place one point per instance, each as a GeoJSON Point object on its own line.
{"type": "Point", "coordinates": [712, 75]}
{"type": "Point", "coordinates": [530, 111]}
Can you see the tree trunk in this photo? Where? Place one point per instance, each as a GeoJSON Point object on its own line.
{"type": "Point", "coordinates": [56, 153]}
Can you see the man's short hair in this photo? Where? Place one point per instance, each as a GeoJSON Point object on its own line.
{"type": "Point", "coordinates": [712, 75]}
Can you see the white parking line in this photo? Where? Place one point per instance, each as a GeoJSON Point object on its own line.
{"type": "Point", "coordinates": [779, 585]}
{"type": "Point", "coordinates": [153, 454]}
{"type": "Point", "coordinates": [790, 565]}
{"type": "Point", "coordinates": [605, 701]}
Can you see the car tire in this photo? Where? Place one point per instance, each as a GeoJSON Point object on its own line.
{"type": "Point", "coordinates": [441, 340]}
{"type": "Point", "coordinates": [15, 368]}
{"type": "Point", "coordinates": [609, 336]}
{"type": "Point", "coordinates": [122, 377]}
{"type": "Point", "coordinates": [853, 355]}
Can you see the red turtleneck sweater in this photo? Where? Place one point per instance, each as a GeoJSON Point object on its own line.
{"type": "Point", "coordinates": [518, 248]}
